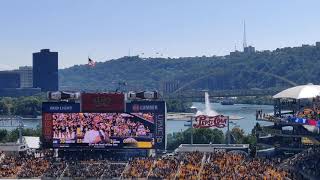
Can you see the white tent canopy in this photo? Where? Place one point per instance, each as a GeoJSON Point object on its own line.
{"type": "Point", "coordinates": [300, 92]}
{"type": "Point", "coordinates": [31, 142]}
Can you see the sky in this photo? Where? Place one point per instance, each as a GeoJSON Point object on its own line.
{"type": "Point", "coordinates": [109, 29]}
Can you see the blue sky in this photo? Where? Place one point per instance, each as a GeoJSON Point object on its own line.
{"type": "Point", "coordinates": [106, 29]}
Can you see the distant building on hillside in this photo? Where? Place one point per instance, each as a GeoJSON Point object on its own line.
{"type": "Point", "coordinates": [9, 79]}
{"type": "Point", "coordinates": [170, 86]}
{"type": "Point", "coordinates": [45, 70]}
{"type": "Point", "coordinates": [235, 53]}
{"type": "Point", "coordinates": [13, 85]}
{"type": "Point", "coordinates": [249, 50]}
{"type": "Point", "coordinates": [26, 80]}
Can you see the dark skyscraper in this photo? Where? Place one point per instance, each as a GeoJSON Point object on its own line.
{"type": "Point", "coordinates": [45, 70]}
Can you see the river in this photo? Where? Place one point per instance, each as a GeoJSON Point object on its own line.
{"type": "Point", "coordinates": [247, 111]}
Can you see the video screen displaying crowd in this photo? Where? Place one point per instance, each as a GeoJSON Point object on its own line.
{"type": "Point", "coordinates": [96, 128]}
{"type": "Point", "coordinates": [146, 116]}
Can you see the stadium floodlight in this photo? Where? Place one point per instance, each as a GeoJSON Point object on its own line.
{"type": "Point", "coordinates": [147, 95]}
{"type": "Point", "coordinates": [132, 95]}
{"type": "Point", "coordinates": [62, 95]}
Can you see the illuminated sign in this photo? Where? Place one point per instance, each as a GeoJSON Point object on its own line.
{"type": "Point", "coordinates": [203, 121]}
{"type": "Point", "coordinates": [158, 111]}
{"type": "Point", "coordinates": [61, 107]}
{"type": "Point", "coordinates": [102, 102]}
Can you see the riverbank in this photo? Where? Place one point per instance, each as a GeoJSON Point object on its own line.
{"type": "Point", "coordinates": [179, 116]}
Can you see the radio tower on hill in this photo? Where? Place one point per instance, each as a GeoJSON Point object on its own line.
{"type": "Point", "coordinates": [244, 36]}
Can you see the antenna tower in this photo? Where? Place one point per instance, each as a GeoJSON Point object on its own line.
{"type": "Point", "coordinates": [244, 35]}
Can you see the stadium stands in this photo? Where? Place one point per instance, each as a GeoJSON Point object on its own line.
{"type": "Point", "coordinates": [183, 165]}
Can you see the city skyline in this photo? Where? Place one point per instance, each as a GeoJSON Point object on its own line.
{"type": "Point", "coordinates": [109, 30]}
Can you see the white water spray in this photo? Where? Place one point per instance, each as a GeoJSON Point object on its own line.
{"type": "Point", "coordinates": [207, 111]}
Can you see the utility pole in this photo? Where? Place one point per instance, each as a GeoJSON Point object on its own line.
{"type": "Point", "coordinates": [20, 129]}
{"type": "Point", "coordinates": [191, 130]}
{"type": "Point", "coordinates": [228, 129]}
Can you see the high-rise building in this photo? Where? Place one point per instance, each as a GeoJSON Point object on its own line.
{"type": "Point", "coordinates": [9, 79]}
{"type": "Point", "coordinates": [45, 70]}
{"type": "Point", "coordinates": [26, 80]}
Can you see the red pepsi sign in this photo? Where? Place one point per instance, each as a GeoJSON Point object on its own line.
{"type": "Point", "coordinates": [218, 121]}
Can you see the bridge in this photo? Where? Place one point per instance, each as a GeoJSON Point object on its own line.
{"type": "Point", "coordinates": [187, 90]}
{"type": "Point", "coordinates": [199, 94]}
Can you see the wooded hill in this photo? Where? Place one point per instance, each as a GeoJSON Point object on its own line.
{"type": "Point", "coordinates": [236, 71]}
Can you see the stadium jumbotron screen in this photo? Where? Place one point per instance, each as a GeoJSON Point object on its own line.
{"type": "Point", "coordinates": [102, 130]}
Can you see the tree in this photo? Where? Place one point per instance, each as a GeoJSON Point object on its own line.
{"type": "Point", "coordinates": [28, 106]}
{"type": "Point", "coordinates": [238, 135]}
{"type": "Point", "coordinates": [4, 108]}
{"type": "Point", "coordinates": [3, 135]}
{"type": "Point", "coordinates": [200, 136]}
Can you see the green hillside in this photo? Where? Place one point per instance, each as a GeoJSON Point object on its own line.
{"type": "Point", "coordinates": [237, 71]}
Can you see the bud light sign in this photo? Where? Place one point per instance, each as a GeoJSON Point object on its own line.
{"type": "Point", "coordinates": [60, 107]}
{"type": "Point", "coordinates": [154, 112]}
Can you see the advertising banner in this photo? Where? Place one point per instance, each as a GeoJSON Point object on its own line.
{"type": "Point", "coordinates": [54, 107]}
{"type": "Point", "coordinates": [46, 128]}
{"type": "Point", "coordinates": [60, 107]}
{"type": "Point", "coordinates": [102, 102]}
{"type": "Point", "coordinates": [203, 121]}
{"type": "Point", "coordinates": [152, 111]}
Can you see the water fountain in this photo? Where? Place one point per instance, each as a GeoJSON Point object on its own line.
{"type": "Point", "coordinates": [207, 111]}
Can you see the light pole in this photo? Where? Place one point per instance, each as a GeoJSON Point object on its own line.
{"type": "Point", "coordinates": [191, 130]}
{"type": "Point", "coordinates": [20, 128]}
{"type": "Point", "coordinates": [228, 129]}
{"type": "Point", "coordinates": [194, 111]}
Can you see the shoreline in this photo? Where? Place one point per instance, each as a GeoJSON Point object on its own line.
{"type": "Point", "coordinates": [179, 116]}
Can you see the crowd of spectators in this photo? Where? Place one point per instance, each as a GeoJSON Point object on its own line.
{"type": "Point", "coordinates": [165, 168]}
{"type": "Point", "coordinates": [9, 167]}
{"type": "Point", "coordinates": [87, 169]}
{"type": "Point", "coordinates": [114, 170]}
{"type": "Point", "coordinates": [24, 165]}
{"type": "Point", "coordinates": [222, 165]}
{"type": "Point", "coordinates": [73, 126]}
{"type": "Point", "coordinates": [190, 165]}
{"type": "Point", "coordinates": [139, 168]}
{"type": "Point", "coordinates": [55, 170]}
{"type": "Point", "coordinates": [305, 164]}
{"type": "Point", "coordinates": [33, 167]}
{"type": "Point", "coordinates": [309, 113]}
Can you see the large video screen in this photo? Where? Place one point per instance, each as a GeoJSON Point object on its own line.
{"type": "Point", "coordinates": [103, 130]}
{"type": "Point", "coordinates": [153, 112]}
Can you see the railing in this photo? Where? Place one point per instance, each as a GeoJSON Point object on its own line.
{"type": "Point", "coordinates": [202, 164]}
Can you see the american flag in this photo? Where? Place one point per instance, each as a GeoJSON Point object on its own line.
{"type": "Point", "coordinates": [91, 62]}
